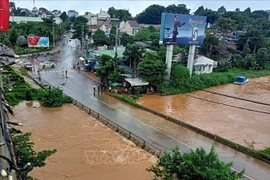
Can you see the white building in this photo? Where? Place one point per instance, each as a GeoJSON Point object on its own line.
{"type": "Point", "coordinates": [24, 19]}
{"type": "Point", "coordinates": [72, 13]}
{"type": "Point", "coordinates": [204, 65]}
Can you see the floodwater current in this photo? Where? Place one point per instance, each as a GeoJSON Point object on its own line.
{"type": "Point", "coordinates": [86, 149]}
{"type": "Point", "coordinates": [240, 121]}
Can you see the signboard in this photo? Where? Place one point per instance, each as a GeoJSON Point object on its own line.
{"type": "Point", "coordinates": [182, 29]}
{"type": "Point", "coordinates": [36, 41]}
{"type": "Point", "coordinates": [4, 15]}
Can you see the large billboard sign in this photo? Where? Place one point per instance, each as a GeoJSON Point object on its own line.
{"type": "Point", "coordinates": [182, 29]}
{"type": "Point", "coordinates": [4, 15]}
{"type": "Point", "coordinates": [36, 41]}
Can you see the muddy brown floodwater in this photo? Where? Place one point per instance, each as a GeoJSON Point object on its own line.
{"type": "Point", "coordinates": [242, 126]}
{"type": "Point", "coordinates": [86, 149]}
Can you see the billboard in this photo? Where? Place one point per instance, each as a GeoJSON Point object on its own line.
{"type": "Point", "coordinates": [4, 15]}
{"type": "Point", "coordinates": [182, 29]}
{"type": "Point", "coordinates": [36, 41]}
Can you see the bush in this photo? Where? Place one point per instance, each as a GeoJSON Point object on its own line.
{"type": "Point", "coordinates": [266, 151]}
{"type": "Point", "coordinates": [179, 73]}
{"type": "Point", "coordinates": [54, 98]}
{"type": "Point", "coordinates": [224, 66]}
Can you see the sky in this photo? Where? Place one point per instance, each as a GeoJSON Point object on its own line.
{"type": "Point", "coordinates": [137, 6]}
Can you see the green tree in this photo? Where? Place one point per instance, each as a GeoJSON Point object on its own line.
{"type": "Point", "coordinates": [151, 15]}
{"type": "Point", "coordinates": [21, 41]}
{"type": "Point", "coordinates": [225, 25]}
{"type": "Point", "coordinates": [112, 36]}
{"type": "Point", "coordinates": [54, 98]}
{"type": "Point", "coordinates": [179, 74]}
{"type": "Point", "coordinates": [134, 53]}
{"type": "Point", "coordinates": [24, 153]}
{"type": "Point", "coordinates": [107, 70]}
{"type": "Point", "coordinates": [251, 61]}
{"type": "Point", "coordinates": [246, 49]}
{"type": "Point", "coordinates": [100, 38]}
{"type": "Point", "coordinates": [179, 9]}
{"type": "Point", "coordinates": [262, 57]}
{"type": "Point", "coordinates": [64, 16]}
{"type": "Point", "coordinates": [143, 35]}
{"type": "Point", "coordinates": [126, 39]}
{"type": "Point", "coordinates": [210, 47]}
{"type": "Point", "coordinates": [13, 36]}
{"type": "Point", "coordinates": [194, 165]}
{"type": "Point", "coordinates": [222, 10]}
{"type": "Point", "coordinates": [152, 69]}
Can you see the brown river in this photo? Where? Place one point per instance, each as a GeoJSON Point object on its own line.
{"type": "Point", "coordinates": [240, 121]}
{"type": "Point", "coordinates": [86, 149]}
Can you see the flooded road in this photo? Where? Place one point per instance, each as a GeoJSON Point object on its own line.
{"type": "Point", "coordinates": [86, 149]}
{"type": "Point", "coordinates": [243, 122]}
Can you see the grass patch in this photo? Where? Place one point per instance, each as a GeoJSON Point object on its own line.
{"type": "Point", "coordinates": [214, 79]}
{"type": "Point", "coordinates": [129, 99]}
{"type": "Point", "coordinates": [266, 151]}
{"type": "Point", "coordinates": [23, 71]}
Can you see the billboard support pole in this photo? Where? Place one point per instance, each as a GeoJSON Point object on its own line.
{"type": "Point", "coordinates": [191, 56]}
{"type": "Point", "coordinates": [169, 54]}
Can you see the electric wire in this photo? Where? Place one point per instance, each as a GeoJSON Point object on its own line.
{"type": "Point", "coordinates": [238, 107]}
{"type": "Point", "coordinates": [225, 95]}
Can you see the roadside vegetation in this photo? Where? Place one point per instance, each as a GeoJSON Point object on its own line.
{"type": "Point", "coordinates": [194, 165]}
{"type": "Point", "coordinates": [17, 90]}
{"type": "Point", "coordinates": [26, 155]}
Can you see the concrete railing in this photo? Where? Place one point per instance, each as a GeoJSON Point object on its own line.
{"type": "Point", "coordinates": [239, 147]}
{"type": "Point", "coordinates": [140, 142]}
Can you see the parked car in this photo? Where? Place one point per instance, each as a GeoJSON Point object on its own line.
{"type": "Point", "coordinates": [47, 64]}
{"type": "Point", "coordinates": [28, 65]}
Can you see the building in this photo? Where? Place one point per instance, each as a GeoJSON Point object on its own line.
{"type": "Point", "coordinates": [130, 27]}
{"type": "Point", "coordinates": [203, 65]}
{"type": "Point", "coordinates": [102, 15]}
{"type": "Point", "coordinates": [72, 13]}
{"type": "Point", "coordinates": [157, 26]}
{"type": "Point", "coordinates": [25, 19]}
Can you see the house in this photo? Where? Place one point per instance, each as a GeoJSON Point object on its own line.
{"type": "Point", "coordinates": [204, 65]}
{"type": "Point", "coordinates": [130, 27]}
{"type": "Point", "coordinates": [72, 13]}
{"type": "Point", "coordinates": [103, 27]}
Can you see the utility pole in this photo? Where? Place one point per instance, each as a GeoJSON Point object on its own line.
{"type": "Point", "coordinates": [53, 35]}
{"type": "Point", "coordinates": [82, 40]}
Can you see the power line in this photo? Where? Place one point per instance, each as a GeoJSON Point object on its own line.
{"type": "Point", "coordinates": [225, 95]}
{"type": "Point", "coordinates": [237, 107]}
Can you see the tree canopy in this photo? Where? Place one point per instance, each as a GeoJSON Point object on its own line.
{"type": "Point", "coordinates": [194, 165]}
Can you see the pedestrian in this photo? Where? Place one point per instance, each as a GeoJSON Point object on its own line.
{"type": "Point", "coordinates": [98, 88]}
{"type": "Point", "coordinates": [66, 73]}
{"type": "Point", "coordinates": [39, 78]}
{"type": "Point", "coordinates": [94, 90]}
{"type": "Point", "coordinates": [110, 89]}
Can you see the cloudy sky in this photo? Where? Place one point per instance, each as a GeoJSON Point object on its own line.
{"type": "Point", "coordinates": [137, 6]}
